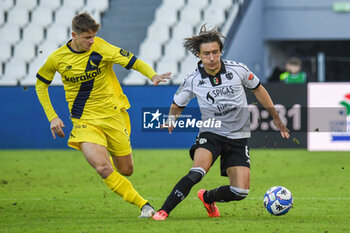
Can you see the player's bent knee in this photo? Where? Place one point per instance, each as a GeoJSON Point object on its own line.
{"type": "Point", "coordinates": [104, 170]}
{"type": "Point", "coordinates": [128, 171]}
{"type": "Point", "coordinates": [196, 174]}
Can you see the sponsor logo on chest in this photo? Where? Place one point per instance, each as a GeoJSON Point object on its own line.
{"type": "Point", "coordinates": [83, 77]}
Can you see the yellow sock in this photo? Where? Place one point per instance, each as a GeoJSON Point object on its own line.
{"type": "Point", "coordinates": [122, 186]}
{"type": "Point", "coordinates": [115, 169]}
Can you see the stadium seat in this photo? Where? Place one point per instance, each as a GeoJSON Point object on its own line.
{"type": "Point", "coordinates": [150, 51]}
{"type": "Point", "coordinates": [214, 15]}
{"type": "Point", "coordinates": [10, 33]}
{"type": "Point", "coordinates": [24, 51]}
{"type": "Point", "coordinates": [188, 65]}
{"type": "Point", "coordinates": [157, 33]}
{"type": "Point", "coordinates": [1, 70]}
{"type": "Point", "coordinates": [175, 5]}
{"type": "Point", "coordinates": [178, 79]}
{"type": "Point", "coordinates": [46, 48]}
{"type": "Point", "coordinates": [181, 31]}
{"type": "Point", "coordinates": [223, 4]}
{"type": "Point", "coordinates": [57, 33]}
{"type": "Point", "coordinates": [34, 67]}
{"type": "Point", "coordinates": [134, 78]}
{"type": "Point", "coordinates": [165, 15]}
{"type": "Point", "coordinates": [190, 15]}
{"type": "Point", "coordinates": [5, 49]}
{"type": "Point", "coordinates": [101, 5]}
{"type": "Point", "coordinates": [64, 16]}
{"type": "Point", "coordinates": [174, 50]}
{"type": "Point", "coordinates": [42, 16]}
{"type": "Point", "coordinates": [52, 4]}
{"type": "Point", "coordinates": [14, 71]}
{"type": "Point", "coordinates": [6, 5]}
{"type": "Point", "coordinates": [199, 4]}
{"type": "Point", "coordinates": [8, 81]}
{"type": "Point", "coordinates": [18, 16]}
{"type": "Point", "coordinates": [76, 4]}
{"type": "Point", "coordinates": [33, 70]}
{"type": "Point", "coordinates": [26, 4]}
{"type": "Point", "coordinates": [33, 33]}
{"type": "Point", "coordinates": [167, 65]}
{"type": "Point", "coordinates": [97, 16]}
{"type": "Point", "coordinates": [2, 17]}
{"type": "Point", "coordinates": [95, 13]}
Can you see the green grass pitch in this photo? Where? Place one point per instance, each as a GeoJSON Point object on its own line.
{"type": "Point", "coordinates": [57, 191]}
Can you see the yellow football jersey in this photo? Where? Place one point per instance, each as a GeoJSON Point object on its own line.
{"type": "Point", "coordinates": [91, 86]}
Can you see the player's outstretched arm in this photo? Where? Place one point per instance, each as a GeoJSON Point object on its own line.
{"type": "Point", "coordinates": [264, 98]}
{"type": "Point", "coordinates": [156, 79]}
{"type": "Point", "coordinates": [147, 71]}
{"type": "Point", "coordinates": [56, 126]}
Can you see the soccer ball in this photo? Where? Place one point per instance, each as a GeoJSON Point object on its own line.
{"type": "Point", "coordinates": [278, 200]}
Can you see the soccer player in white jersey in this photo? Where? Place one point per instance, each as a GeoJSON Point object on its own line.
{"type": "Point", "coordinates": [98, 106]}
{"type": "Point", "coordinates": [219, 88]}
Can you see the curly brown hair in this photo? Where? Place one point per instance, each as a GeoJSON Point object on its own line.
{"type": "Point", "coordinates": [193, 44]}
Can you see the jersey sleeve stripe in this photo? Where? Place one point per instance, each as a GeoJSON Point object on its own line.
{"type": "Point", "coordinates": [256, 86]}
{"type": "Point", "coordinates": [178, 105]}
{"type": "Point", "coordinates": [42, 79]}
{"type": "Point", "coordinates": [131, 62]}
{"type": "Point", "coordinates": [82, 97]}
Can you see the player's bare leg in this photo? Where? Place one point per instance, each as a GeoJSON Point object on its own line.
{"type": "Point", "coordinates": [98, 158]}
{"type": "Point", "coordinates": [124, 164]}
{"type": "Point", "coordinates": [239, 176]}
{"type": "Point", "coordinates": [202, 158]}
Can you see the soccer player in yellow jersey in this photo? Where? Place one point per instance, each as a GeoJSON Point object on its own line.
{"type": "Point", "coordinates": [101, 124]}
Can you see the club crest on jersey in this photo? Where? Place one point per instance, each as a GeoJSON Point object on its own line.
{"type": "Point", "coordinates": [202, 141]}
{"type": "Point", "coordinates": [229, 76]}
{"type": "Point", "coordinates": [93, 62]}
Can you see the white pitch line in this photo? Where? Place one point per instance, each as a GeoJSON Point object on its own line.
{"type": "Point", "coordinates": [157, 198]}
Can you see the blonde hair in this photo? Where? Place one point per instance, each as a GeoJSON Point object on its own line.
{"type": "Point", "coordinates": [84, 23]}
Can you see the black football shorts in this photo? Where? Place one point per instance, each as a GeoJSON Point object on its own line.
{"type": "Point", "coordinates": [232, 152]}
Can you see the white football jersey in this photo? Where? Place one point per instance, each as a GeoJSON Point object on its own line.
{"type": "Point", "coordinates": [221, 97]}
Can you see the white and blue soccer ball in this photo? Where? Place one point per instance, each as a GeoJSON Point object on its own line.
{"type": "Point", "coordinates": [278, 200]}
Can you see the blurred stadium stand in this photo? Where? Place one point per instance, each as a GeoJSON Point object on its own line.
{"type": "Point", "coordinates": [125, 24]}
{"type": "Point", "coordinates": [31, 29]}
{"type": "Point", "coordinates": [174, 21]}
{"type": "Point", "coordinates": [153, 30]}
{"type": "Point", "coordinates": [271, 31]}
